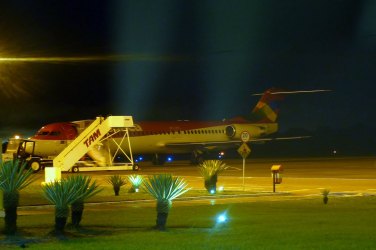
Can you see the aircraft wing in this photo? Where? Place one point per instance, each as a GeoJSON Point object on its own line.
{"type": "Point", "coordinates": [208, 145]}
{"type": "Point", "coordinates": [280, 138]}
{"type": "Point", "coordinates": [225, 144]}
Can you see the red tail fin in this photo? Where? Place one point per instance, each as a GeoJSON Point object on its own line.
{"type": "Point", "coordinates": [267, 108]}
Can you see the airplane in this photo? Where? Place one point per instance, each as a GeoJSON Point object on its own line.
{"type": "Point", "coordinates": [161, 138]}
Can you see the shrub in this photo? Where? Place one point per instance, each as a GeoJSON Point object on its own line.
{"type": "Point", "coordinates": [62, 194]}
{"type": "Point", "coordinates": [136, 181]}
{"type": "Point", "coordinates": [325, 194]}
{"type": "Point", "coordinates": [209, 170]}
{"type": "Point", "coordinates": [117, 182]}
{"type": "Point", "coordinates": [13, 178]}
{"type": "Point", "coordinates": [87, 189]}
{"type": "Point", "coordinates": [164, 188]}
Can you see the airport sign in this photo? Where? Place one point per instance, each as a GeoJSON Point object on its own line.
{"type": "Point", "coordinates": [244, 150]}
{"type": "Point", "coordinates": [244, 136]}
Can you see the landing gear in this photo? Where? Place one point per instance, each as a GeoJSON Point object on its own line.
{"type": "Point", "coordinates": [158, 159]}
{"type": "Point", "coordinates": [197, 157]}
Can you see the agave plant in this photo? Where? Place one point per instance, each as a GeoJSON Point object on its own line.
{"type": "Point", "coordinates": [13, 179]}
{"type": "Point", "coordinates": [209, 170]}
{"type": "Point", "coordinates": [117, 182]}
{"type": "Point", "coordinates": [164, 188]}
{"type": "Point", "coordinates": [325, 194]}
{"type": "Point", "coordinates": [62, 194]}
{"type": "Point", "coordinates": [136, 181]}
{"type": "Point", "coordinates": [87, 189]}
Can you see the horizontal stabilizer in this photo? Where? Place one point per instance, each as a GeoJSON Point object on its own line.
{"type": "Point", "coordinates": [295, 92]}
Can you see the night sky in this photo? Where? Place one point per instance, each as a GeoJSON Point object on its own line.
{"type": "Point", "coordinates": [197, 60]}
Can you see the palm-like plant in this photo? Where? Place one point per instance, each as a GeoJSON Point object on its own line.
{"type": "Point", "coordinates": [164, 188]}
{"type": "Point", "coordinates": [136, 181]}
{"type": "Point", "coordinates": [209, 170]}
{"type": "Point", "coordinates": [62, 194]}
{"type": "Point", "coordinates": [325, 194]}
{"type": "Point", "coordinates": [117, 182]}
{"type": "Point", "coordinates": [87, 189]}
{"type": "Point", "coordinates": [13, 178]}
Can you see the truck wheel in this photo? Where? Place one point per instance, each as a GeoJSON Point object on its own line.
{"type": "Point", "coordinates": [75, 169]}
{"type": "Point", "coordinates": [35, 165]}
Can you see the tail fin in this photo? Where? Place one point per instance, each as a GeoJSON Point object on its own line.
{"type": "Point", "coordinates": [267, 108]}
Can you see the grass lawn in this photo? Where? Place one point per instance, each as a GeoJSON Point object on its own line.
{"type": "Point", "coordinates": [344, 223]}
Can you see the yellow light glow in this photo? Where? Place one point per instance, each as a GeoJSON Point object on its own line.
{"type": "Point", "coordinates": [131, 57]}
{"type": "Point", "coordinates": [52, 174]}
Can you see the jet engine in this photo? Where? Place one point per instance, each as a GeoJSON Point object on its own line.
{"type": "Point", "coordinates": [233, 131]}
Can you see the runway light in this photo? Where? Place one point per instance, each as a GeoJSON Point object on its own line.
{"type": "Point", "coordinates": [221, 155]}
{"type": "Point", "coordinates": [139, 159]}
{"type": "Point", "coordinates": [222, 218]}
{"type": "Point", "coordinates": [221, 188]}
{"type": "Point", "coordinates": [212, 191]}
{"type": "Point", "coordinates": [169, 159]}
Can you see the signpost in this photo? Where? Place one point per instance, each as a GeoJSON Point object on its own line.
{"type": "Point", "coordinates": [244, 150]}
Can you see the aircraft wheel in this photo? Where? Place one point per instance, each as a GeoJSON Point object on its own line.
{"type": "Point", "coordinates": [158, 159]}
{"type": "Point", "coordinates": [75, 169]}
{"type": "Point", "coordinates": [197, 159]}
{"type": "Point", "coordinates": [35, 165]}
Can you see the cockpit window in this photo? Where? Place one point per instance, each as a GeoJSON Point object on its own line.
{"type": "Point", "coordinates": [55, 133]}
{"type": "Point", "coordinates": [43, 133]}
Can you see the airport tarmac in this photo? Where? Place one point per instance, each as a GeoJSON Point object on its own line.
{"type": "Point", "coordinates": [305, 176]}
{"type": "Point", "coordinates": [302, 178]}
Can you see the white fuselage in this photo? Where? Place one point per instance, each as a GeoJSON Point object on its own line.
{"type": "Point", "coordinates": [164, 140]}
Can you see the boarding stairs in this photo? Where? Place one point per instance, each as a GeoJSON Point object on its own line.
{"type": "Point", "coordinates": [100, 129]}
